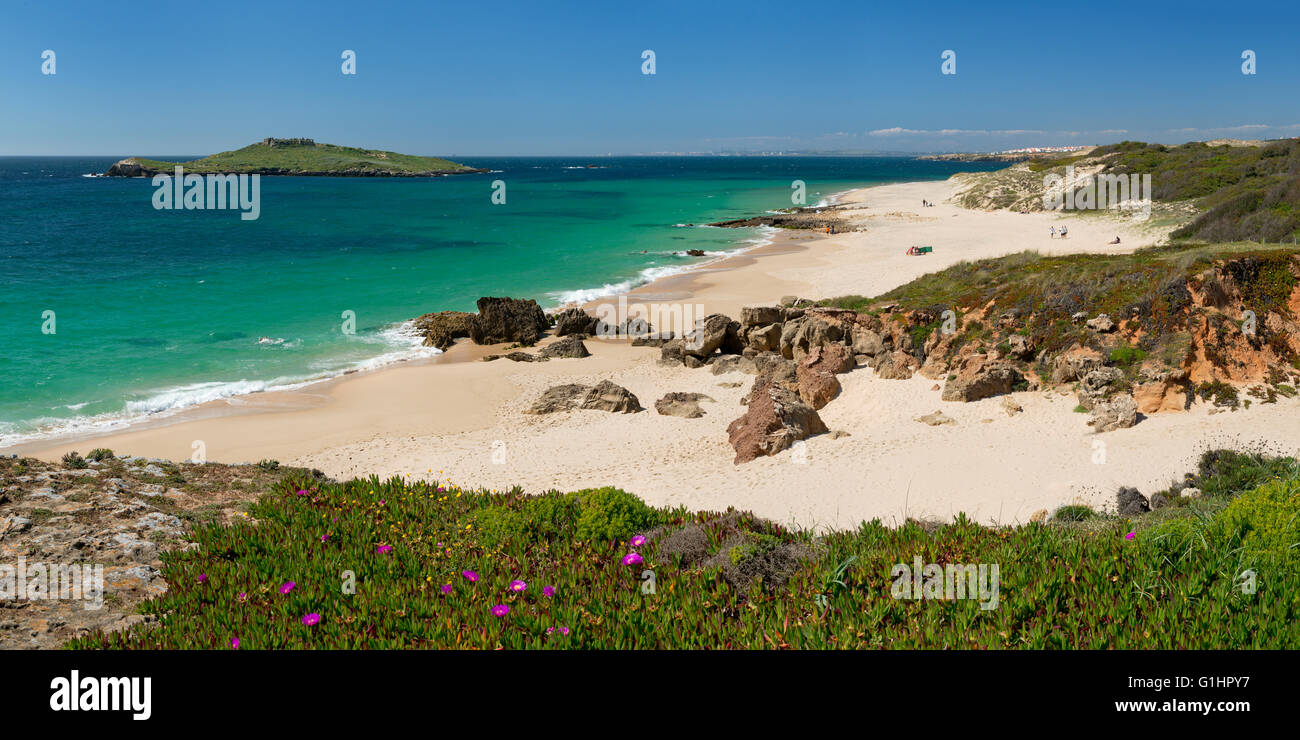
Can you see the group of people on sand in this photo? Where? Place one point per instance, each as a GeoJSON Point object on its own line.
{"type": "Point", "coordinates": [926, 204]}
{"type": "Point", "coordinates": [1064, 231]}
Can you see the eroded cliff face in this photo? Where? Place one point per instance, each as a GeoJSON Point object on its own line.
{"type": "Point", "coordinates": [1234, 323]}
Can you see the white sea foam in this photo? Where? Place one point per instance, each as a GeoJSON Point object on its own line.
{"type": "Point", "coordinates": [650, 274]}
{"type": "Point", "coordinates": [401, 339]}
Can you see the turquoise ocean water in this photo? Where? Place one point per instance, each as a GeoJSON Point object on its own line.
{"type": "Point", "coordinates": [157, 310]}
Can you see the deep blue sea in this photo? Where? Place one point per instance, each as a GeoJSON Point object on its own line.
{"type": "Point", "coordinates": [154, 310]}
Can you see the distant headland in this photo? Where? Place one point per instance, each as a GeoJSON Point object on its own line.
{"type": "Point", "coordinates": [298, 157]}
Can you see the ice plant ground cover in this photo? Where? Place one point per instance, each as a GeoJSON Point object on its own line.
{"type": "Point", "coordinates": [466, 569]}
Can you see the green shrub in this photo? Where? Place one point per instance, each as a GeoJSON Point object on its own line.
{"type": "Point", "coordinates": [1218, 392]}
{"type": "Point", "coordinates": [1074, 513]}
{"type": "Point", "coordinates": [100, 454]}
{"type": "Point", "coordinates": [268, 465]}
{"type": "Point", "coordinates": [1266, 521]}
{"type": "Point", "coordinates": [1126, 355]}
{"type": "Point", "coordinates": [530, 520]}
{"type": "Point", "coordinates": [1227, 473]}
{"type": "Point", "coordinates": [611, 514]}
{"type": "Point", "coordinates": [74, 461]}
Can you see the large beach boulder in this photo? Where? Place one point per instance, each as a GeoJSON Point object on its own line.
{"type": "Point", "coordinates": [574, 321]}
{"type": "Point", "coordinates": [569, 346]}
{"type": "Point", "coordinates": [817, 388]}
{"type": "Point", "coordinates": [711, 334]}
{"type": "Point", "coordinates": [816, 373]}
{"type": "Point", "coordinates": [1098, 385]}
{"type": "Point", "coordinates": [1074, 363]}
{"type": "Point", "coordinates": [672, 352]}
{"type": "Point", "coordinates": [1130, 501]}
{"type": "Point", "coordinates": [896, 365]}
{"type": "Point", "coordinates": [605, 396]}
{"type": "Point", "coordinates": [559, 398]}
{"type": "Point", "coordinates": [814, 329]}
{"type": "Point", "coordinates": [979, 377]}
{"type": "Point", "coordinates": [828, 358]}
{"type": "Point", "coordinates": [753, 316]}
{"type": "Point", "coordinates": [1118, 413]}
{"type": "Point", "coordinates": [503, 320]}
{"type": "Point", "coordinates": [443, 328]}
{"type": "Point", "coordinates": [764, 338]}
{"type": "Point", "coordinates": [867, 342]}
{"type": "Point", "coordinates": [776, 369]}
{"type": "Point", "coordinates": [774, 420]}
{"type": "Point", "coordinates": [608, 396]}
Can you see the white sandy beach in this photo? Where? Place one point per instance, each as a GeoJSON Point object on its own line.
{"type": "Point", "coordinates": [463, 420]}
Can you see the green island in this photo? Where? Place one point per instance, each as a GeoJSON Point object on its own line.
{"type": "Point", "coordinates": [298, 157]}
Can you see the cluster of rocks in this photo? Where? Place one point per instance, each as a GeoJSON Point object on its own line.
{"type": "Point", "coordinates": [797, 350]}
{"type": "Point", "coordinates": [118, 514]}
{"type": "Point", "coordinates": [570, 346]}
{"type": "Point", "coordinates": [1129, 501]}
{"type": "Point", "coordinates": [498, 321]}
{"type": "Point", "coordinates": [819, 218]}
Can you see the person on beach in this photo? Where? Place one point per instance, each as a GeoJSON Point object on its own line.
{"type": "Point", "coordinates": [1063, 232]}
{"type": "Point", "coordinates": [1052, 231]}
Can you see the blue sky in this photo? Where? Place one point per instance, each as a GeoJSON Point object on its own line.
{"type": "Point", "coordinates": [500, 77]}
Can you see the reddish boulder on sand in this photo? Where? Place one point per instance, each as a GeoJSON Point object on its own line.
{"type": "Point", "coordinates": [775, 419]}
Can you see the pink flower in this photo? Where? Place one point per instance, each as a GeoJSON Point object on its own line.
{"type": "Point", "coordinates": [470, 575]}
{"type": "Point", "coordinates": [1130, 535]}
{"type": "Point", "coordinates": [287, 587]}
{"type": "Point", "coordinates": [302, 492]}
{"type": "Point", "coordinates": [500, 610]}
{"type": "Point", "coordinates": [324, 538]}
{"type": "Point", "coordinates": [446, 588]}
{"type": "Point", "coordinates": [638, 541]}
{"type": "Point", "coordinates": [311, 619]}
{"type": "Point", "coordinates": [632, 558]}
{"type": "Point", "coordinates": [234, 642]}
{"type": "Point", "coordinates": [548, 591]}
{"type": "Point", "coordinates": [385, 549]}
{"type": "Point", "coordinates": [242, 596]}
{"type": "Point", "coordinates": [563, 630]}
{"type": "Point", "coordinates": [518, 586]}
{"type": "Point", "coordinates": [203, 577]}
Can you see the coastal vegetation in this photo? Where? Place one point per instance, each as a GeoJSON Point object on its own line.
{"type": "Point", "coordinates": [1185, 314]}
{"type": "Point", "coordinates": [371, 563]}
{"type": "Point", "coordinates": [299, 157]}
{"type": "Point", "coordinates": [1218, 191]}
